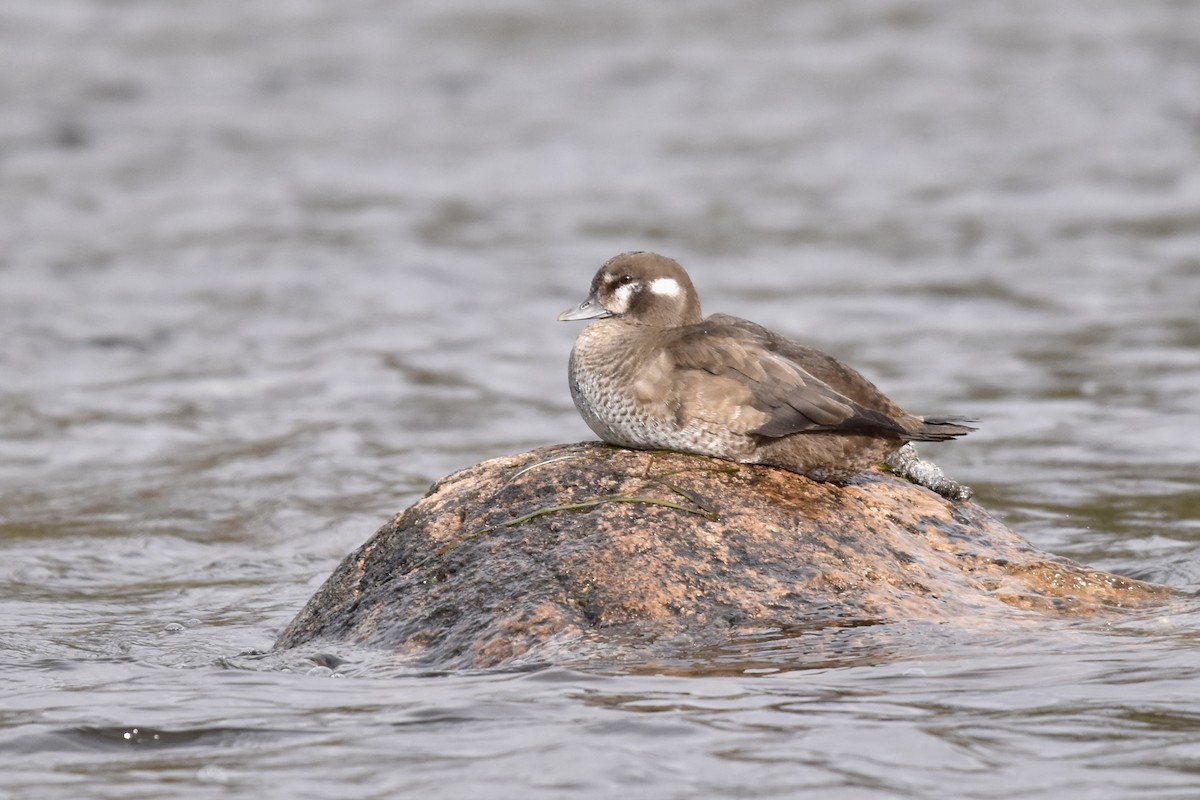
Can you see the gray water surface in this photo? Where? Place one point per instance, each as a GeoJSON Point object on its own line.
{"type": "Point", "coordinates": [269, 269]}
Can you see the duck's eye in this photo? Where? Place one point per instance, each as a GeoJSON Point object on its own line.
{"type": "Point", "coordinates": [625, 279]}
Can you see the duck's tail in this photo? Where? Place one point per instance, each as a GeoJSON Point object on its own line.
{"type": "Point", "coordinates": [940, 429]}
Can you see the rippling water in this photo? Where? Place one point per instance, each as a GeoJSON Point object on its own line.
{"type": "Point", "coordinates": [268, 269]}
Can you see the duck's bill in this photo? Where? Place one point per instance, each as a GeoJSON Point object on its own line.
{"type": "Point", "coordinates": [588, 309]}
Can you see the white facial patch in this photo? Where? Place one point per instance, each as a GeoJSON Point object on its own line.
{"type": "Point", "coordinates": [622, 296]}
{"type": "Point", "coordinates": [668, 287]}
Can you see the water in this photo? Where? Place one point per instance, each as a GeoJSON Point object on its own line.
{"type": "Point", "coordinates": [269, 269]}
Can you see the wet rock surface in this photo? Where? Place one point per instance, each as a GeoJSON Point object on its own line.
{"type": "Point", "coordinates": [571, 552]}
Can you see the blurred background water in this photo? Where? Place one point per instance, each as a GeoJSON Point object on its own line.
{"type": "Point", "coordinates": [268, 269]}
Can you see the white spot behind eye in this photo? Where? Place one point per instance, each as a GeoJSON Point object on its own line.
{"type": "Point", "coordinates": [665, 286]}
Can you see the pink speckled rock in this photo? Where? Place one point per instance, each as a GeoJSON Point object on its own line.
{"type": "Point", "coordinates": [573, 552]}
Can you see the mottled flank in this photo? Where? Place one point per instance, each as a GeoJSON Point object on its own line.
{"type": "Point", "coordinates": [573, 553]}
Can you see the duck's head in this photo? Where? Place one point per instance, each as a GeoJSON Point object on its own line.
{"type": "Point", "coordinates": [640, 287]}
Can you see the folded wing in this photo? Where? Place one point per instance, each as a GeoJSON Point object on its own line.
{"type": "Point", "coordinates": [728, 360]}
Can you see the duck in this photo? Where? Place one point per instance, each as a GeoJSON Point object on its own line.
{"type": "Point", "coordinates": [650, 372]}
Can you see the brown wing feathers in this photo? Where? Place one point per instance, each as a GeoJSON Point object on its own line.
{"type": "Point", "coordinates": [793, 400]}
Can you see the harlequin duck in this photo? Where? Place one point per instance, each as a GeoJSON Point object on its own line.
{"type": "Point", "coordinates": [652, 373]}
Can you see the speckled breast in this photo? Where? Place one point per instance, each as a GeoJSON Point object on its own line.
{"type": "Point", "coordinates": [602, 387]}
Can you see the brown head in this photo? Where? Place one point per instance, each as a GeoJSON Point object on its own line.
{"type": "Point", "coordinates": [640, 287]}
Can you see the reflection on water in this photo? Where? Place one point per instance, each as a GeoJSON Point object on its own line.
{"type": "Point", "coordinates": [268, 271]}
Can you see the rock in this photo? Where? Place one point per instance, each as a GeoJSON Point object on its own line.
{"type": "Point", "coordinates": [573, 552]}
